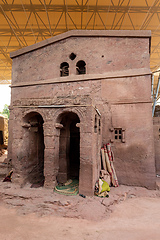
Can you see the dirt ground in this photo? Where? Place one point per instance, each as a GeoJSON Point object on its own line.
{"type": "Point", "coordinates": [37, 213]}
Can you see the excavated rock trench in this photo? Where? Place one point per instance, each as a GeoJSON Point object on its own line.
{"type": "Point", "coordinates": [28, 213]}
{"type": "Point", "coordinates": [44, 202]}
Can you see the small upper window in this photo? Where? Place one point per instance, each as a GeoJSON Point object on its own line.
{"type": "Point", "coordinates": [72, 56]}
{"type": "Point", "coordinates": [81, 67]}
{"type": "Point", "coordinates": [64, 69]}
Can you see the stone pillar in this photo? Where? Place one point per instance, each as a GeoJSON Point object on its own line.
{"type": "Point", "coordinates": [49, 164]}
{"type": "Point", "coordinates": [51, 155]}
{"type": "Point", "coordinates": [10, 137]}
{"type": "Point", "coordinates": [86, 185]}
{"type": "Point", "coordinates": [16, 147]}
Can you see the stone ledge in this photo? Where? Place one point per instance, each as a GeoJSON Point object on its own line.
{"type": "Point", "coordinates": [88, 77]}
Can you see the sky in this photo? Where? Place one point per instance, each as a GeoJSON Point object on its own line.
{"type": "Point", "coordinates": [5, 95]}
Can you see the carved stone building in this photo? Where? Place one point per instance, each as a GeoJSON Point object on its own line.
{"type": "Point", "coordinates": [75, 92]}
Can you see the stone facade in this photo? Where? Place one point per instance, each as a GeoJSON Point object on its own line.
{"type": "Point", "coordinates": [75, 92]}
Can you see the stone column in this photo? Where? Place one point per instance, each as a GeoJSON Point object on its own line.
{"type": "Point", "coordinates": [49, 152]}
{"type": "Point", "coordinates": [86, 185]}
{"type": "Point", "coordinates": [16, 147]}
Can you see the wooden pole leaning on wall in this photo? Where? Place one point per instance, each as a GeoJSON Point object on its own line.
{"type": "Point", "coordinates": [108, 165]}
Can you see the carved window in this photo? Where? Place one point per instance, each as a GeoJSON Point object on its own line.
{"type": "Point", "coordinates": [118, 135]}
{"type": "Point", "coordinates": [95, 124]}
{"type": "Point", "coordinates": [99, 126]}
{"type": "Point", "coordinates": [72, 56]}
{"type": "Point", "coordinates": [81, 67]}
{"type": "Point", "coordinates": [64, 69]}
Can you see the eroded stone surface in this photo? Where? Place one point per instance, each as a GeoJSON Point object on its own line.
{"type": "Point", "coordinates": [46, 202]}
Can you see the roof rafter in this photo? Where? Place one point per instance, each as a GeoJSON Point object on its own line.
{"type": "Point", "coordinates": [15, 20]}
{"type": "Point", "coordinates": [78, 8]}
{"type": "Point", "coordinates": [58, 22]}
{"type": "Point", "coordinates": [47, 18]}
{"type": "Point", "coordinates": [12, 29]}
{"type": "Point", "coordinates": [148, 13]}
{"type": "Point", "coordinates": [27, 18]}
{"type": "Point", "coordinates": [42, 19]}
{"type": "Point", "coordinates": [5, 55]}
{"type": "Point", "coordinates": [118, 7]}
{"type": "Point", "coordinates": [65, 12]}
{"type": "Point", "coordinates": [40, 32]}
{"type": "Point", "coordinates": [95, 14]}
{"type": "Point", "coordinates": [82, 15]}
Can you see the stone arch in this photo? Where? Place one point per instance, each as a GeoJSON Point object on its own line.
{"type": "Point", "coordinates": [64, 69]}
{"type": "Point", "coordinates": [33, 146]}
{"type": "Point", "coordinates": [69, 146]}
{"type": "Point", "coordinates": [81, 67]}
{"type": "Point", "coordinates": [58, 113]}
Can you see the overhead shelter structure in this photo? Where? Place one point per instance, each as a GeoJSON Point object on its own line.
{"type": "Point", "coordinates": [25, 22]}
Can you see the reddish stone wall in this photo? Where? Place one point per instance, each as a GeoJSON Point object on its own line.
{"type": "Point", "coordinates": [101, 54]}
{"type": "Point", "coordinates": [117, 73]}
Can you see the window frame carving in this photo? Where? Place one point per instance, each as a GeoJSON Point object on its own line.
{"type": "Point", "coordinates": [113, 135]}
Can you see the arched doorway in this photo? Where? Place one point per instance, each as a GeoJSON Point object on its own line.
{"type": "Point", "coordinates": [69, 147]}
{"type": "Point", "coordinates": [34, 149]}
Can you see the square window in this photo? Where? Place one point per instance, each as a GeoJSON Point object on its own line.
{"type": "Point", "coordinates": [117, 134]}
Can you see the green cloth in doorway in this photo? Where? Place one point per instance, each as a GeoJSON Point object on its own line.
{"type": "Point", "coordinates": [71, 187]}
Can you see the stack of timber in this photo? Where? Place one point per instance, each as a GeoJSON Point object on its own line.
{"type": "Point", "coordinates": [107, 161]}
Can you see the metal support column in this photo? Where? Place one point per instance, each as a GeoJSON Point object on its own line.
{"type": "Point", "coordinates": [152, 87]}
{"type": "Point", "coordinates": [155, 100]}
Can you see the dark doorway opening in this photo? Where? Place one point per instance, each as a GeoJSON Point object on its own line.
{"type": "Point", "coordinates": [74, 150]}
{"type": "Point", "coordinates": [1, 138]}
{"type": "Point", "coordinates": [69, 148]}
{"type": "Point", "coordinates": [34, 140]}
